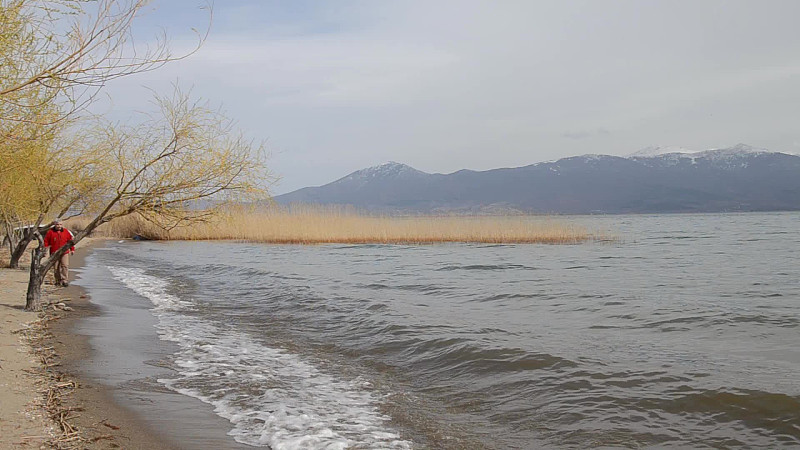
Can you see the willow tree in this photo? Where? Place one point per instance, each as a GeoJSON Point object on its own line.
{"type": "Point", "coordinates": [54, 177]}
{"type": "Point", "coordinates": [26, 149]}
{"type": "Point", "coordinates": [164, 169]}
{"type": "Point", "coordinates": [55, 57]}
{"type": "Point", "coordinates": [69, 49]}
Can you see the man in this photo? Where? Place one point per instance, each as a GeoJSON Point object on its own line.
{"type": "Point", "coordinates": [56, 238]}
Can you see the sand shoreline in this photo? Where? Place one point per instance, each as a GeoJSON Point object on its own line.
{"type": "Point", "coordinates": [24, 423]}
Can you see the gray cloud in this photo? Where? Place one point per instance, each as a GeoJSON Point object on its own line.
{"type": "Point", "coordinates": [585, 134]}
{"type": "Point", "coordinates": [477, 84]}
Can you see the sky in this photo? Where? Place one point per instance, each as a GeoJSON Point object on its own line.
{"type": "Point", "coordinates": [337, 86]}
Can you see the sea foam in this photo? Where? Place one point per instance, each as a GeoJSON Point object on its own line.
{"type": "Point", "coordinates": [271, 396]}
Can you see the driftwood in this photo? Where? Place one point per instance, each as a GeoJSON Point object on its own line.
{"type": "Point", "coordinates": [56, 386]}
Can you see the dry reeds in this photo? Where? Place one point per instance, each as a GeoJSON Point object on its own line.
{"type": "Point", "coordinates": [318, 225]}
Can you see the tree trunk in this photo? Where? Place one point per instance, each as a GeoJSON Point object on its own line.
{"type": "Point", "coordinates": [33, 299]}
{"type": "Point", "coordinates": [20, 246]}
{"type": "Point", "coordinates": [18, 250]}
{"type": "Point", "coordinates": [9, 239]}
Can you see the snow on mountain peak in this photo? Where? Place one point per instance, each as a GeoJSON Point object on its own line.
{"type": "Point", "coordinates": [738, 150]}
{"type": "Point", "coordinates": [389, 169]}
{"type": "Point", "coordinates": [658, 151]}
{"type": "Point", "coordinates": [730, 157]}
{"type": "Point", "coordinates": [747, 148]}
{"type": "Point", "coordinates": [714, 153]}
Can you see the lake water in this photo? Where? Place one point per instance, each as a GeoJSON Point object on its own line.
{"type": "Point", "coordinates": [684, 332]}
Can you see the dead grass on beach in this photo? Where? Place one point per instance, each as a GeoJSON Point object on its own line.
{"type": "Point", "coordinates": [57, 385]}
{"type": "Point", "coordinates": [319, 225]}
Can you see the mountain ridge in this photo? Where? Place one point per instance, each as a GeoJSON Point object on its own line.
{"type": "Point", "coordinates": [738, 178]}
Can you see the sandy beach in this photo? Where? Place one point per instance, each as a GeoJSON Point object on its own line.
{"type": "Point", "coordinates": [90, 408]}
{"type": "Point", "coordinates": [23, 420]}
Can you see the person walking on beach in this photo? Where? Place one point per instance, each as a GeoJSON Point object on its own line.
{"type": "Point", "coordinates": [56, 238]}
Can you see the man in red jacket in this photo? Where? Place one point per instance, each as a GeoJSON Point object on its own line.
{"type": "Point", "coordinates": [56, 238]}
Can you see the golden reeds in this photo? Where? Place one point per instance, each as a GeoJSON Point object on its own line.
{"type": "Point", "coordinates": [318, 225]}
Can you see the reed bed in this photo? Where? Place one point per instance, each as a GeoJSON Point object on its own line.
{"type": "Point", "coordinates": [345, 226]}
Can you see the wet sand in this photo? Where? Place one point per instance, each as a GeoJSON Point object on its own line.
{"type": "Point", "coordinates": [24, 422]}
{"type": "Point", "coordinates": [113, 354]}
{"type": "Point", "coordinates": [104, 422]}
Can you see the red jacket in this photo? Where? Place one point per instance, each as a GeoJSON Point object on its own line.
{"type": "Point", "coordinates": [56, 239]}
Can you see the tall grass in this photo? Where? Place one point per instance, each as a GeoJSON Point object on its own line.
{"type": "Point", "coordinates": [318, 225]}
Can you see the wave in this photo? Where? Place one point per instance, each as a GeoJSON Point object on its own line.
{"type": "Point", "coordinates": [271, 397]}
{"type": "Point", "coordinates": [485, 267]}
{"type": "Point", "coordinates": [457, 357]}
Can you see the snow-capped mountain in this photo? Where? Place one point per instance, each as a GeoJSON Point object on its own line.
{"type": "Point", "coordinates": [387, 170]}
{"type": "Point", "coordinates": [738, 178]}
{"type": "Point", "coordinates": [727, 158]}
{"type": "Point", "coordinates": [737, 150]}
{"type": "Point", "coordinates": [657, 151]}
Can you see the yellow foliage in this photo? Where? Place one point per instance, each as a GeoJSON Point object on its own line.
{"type": "Point", "coordinates": [178, 166]}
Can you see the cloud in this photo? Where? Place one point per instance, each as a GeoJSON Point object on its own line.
{"type": "Point", "coordinates": [323, 72]}
{"type": "Point", "coordinates": [477, 84]}
{"type": "Point", "coordinates": [585, 134]}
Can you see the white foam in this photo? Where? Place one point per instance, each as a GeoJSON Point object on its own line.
{"type": "Point", "coordinates": [270, 396]}
{"type": "Point", "coordinates": [152, 288]}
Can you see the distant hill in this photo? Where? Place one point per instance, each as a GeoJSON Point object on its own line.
{"type": "Point", "coordinates": [655, 180]}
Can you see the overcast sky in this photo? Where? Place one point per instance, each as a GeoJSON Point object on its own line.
{"type": "Point", "coordinates": [445, 85]}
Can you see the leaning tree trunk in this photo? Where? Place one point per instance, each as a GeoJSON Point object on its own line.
{"type": "Point", "coordinates": [18, 250]}
{"type": "Point", "coordinates": [20, 246]}
{"type": "Point", "coordinates": [33, 299]}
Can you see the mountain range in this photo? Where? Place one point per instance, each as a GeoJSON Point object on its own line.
{"type": "Point", "coordinates": [653, 180]}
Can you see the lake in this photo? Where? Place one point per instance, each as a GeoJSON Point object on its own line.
{"type": "Point", "coordinates": [683, 332]}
